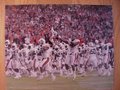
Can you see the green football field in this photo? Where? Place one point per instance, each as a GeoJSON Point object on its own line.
{"type": "Point", "coordinates": [90, 82]}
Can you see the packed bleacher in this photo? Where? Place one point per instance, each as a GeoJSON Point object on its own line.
{"type": "Point", "coordinates": [83, 22]}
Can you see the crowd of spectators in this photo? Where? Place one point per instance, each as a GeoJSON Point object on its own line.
{"type": "Point", "coordinates": [84, 22]}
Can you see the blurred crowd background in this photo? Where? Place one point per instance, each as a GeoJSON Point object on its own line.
{"type": "Point", "coordinates": [84, 22]}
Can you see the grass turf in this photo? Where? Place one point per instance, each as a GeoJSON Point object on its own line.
{"type": "Point", "coordinates": [90, 82]}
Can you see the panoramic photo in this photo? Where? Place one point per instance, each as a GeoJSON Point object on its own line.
{"type": "Point", "coordinates": [59, 46]}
